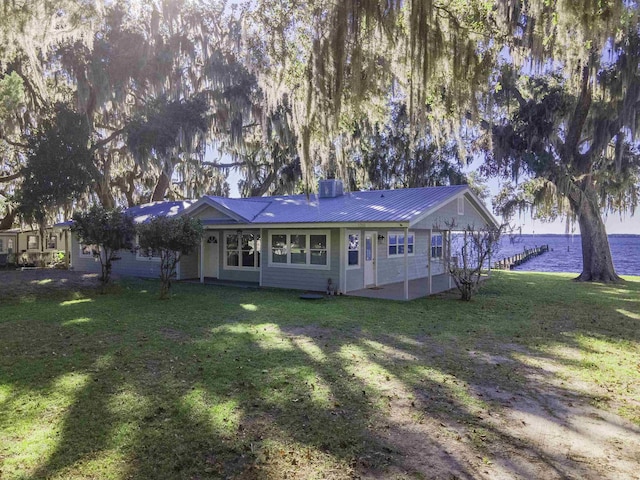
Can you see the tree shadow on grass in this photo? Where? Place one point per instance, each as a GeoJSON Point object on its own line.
{"type": "Point", "coordinates": [263, 386]}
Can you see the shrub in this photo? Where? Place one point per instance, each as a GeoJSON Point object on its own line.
{"type": "Point", "coordinates": [170, 238]}
{"type": "Point", "coordinates": [110, 230]}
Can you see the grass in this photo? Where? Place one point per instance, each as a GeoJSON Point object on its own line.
{"type": "Point", "coordinates": [222, 383]}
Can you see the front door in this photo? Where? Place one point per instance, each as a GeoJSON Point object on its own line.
{"type": "Point", "coordinates": [370, 258]}
{"type": "Point", "coordinates": [211, 254]}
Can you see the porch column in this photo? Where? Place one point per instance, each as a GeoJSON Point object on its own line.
{"type": "Point", "coordinates": [262, 254]}
{"type": "Point", "coordinates": [406, 263]}
{"type": "Point", "coordinates": [448, 239]}
{"type": "Point", "coordinates": [429, 247]}
{"type": "Point", "coordinates": [67, 249]}
{"type": "Point", "coordinates": [343, 261]}
{"type": "Point", "coordinates": [202, 260]}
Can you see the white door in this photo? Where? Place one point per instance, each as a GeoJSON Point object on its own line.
{"type": "Point", "coordinates": [211, 254]}
{"type": "Point", "coordinates": [370, 258]}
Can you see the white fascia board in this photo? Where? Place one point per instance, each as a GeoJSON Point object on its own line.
{"type": "Point", "coordinates": [476, 203]}
{"type": "Point", "coordinates": [207, 202]}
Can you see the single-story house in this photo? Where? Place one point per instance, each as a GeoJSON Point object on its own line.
{"type": "Point", "coordinates": [352, 241]}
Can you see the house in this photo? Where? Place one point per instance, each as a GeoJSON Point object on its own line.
{"type": "Point", "coordinates": [355, 241]}
{"type": "Point", "coordinates": [33, 247]}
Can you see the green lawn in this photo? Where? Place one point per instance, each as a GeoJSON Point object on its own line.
{"type": "Point", "coordinates": [221, 382]}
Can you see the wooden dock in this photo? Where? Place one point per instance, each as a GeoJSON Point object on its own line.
{"type": "Point", "coordinates": [509, 263]}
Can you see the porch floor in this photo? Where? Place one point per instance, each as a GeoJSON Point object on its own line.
{"type": "Point", "coordinates": [395, 291]}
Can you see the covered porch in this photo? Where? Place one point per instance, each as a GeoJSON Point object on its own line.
{"type": "Point", "coordinates": [418, 288]}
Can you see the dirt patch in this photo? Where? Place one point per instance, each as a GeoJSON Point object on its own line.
{"type": "Point", "coordinates": [38, 282]}
{"type": "Point", "coordinates": [540, 428]}
{"type": "Point", "coordinates": [173, 334]}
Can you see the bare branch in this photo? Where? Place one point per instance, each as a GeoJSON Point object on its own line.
{"type": "Point", "coordinates": [8, 178]}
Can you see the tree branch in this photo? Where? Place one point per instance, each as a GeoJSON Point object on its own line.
{"type": "Point", "coordinates": [8, 178]}
{"type": "Point", "coordinates": [104, 141]}
{"type": "Point", "coordinates": [224, 165]}
{"type": "Point", "coordinates": [14, 144]}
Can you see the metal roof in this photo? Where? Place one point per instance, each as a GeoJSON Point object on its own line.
{"type": "Point", "coordinates": [399, 205]}
{"type": "Point", "coordinates": [373, 206]}
{"type": "Point", "coordinates": [144, 213]}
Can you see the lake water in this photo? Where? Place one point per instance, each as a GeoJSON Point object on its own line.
{"type": "Point", "coordinates": [565, 253]}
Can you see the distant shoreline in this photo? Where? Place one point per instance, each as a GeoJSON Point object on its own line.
{"type": "Point", "coordinates": [618, 235]}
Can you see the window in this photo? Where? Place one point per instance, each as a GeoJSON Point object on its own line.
{"type": "Point", "coordinates": [10, 246]}
{"type": "Point", "coordinates": [460, 205]}
{"type": "Point", "coordinates": [353, 249]}
{"type": "Point", "coordinates": [145, 254]}
{"type": "Point", "coordinates": [52, 242]}
{"type": "Point", "coordinates": [436, 245]}
{"type": "Point", "coordinates": [396, 243]}
{"type": "Point", "coordinates": [88, 251]}
{"type": "Point", "coordinates": [32, 242]}
{"type": "Point", "coordinates": [1, 245]}
{"type": "Point", "coordinates": [300, 249]}
{"type": "Point", "coordinates": [242, 250]}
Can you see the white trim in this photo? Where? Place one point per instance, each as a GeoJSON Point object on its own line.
{"type": "Point", "coordinates": [253, 232]}
{"type": "Point", "coordinates": [397, 233]}
{"type": "Point", "coordinates": [206, 201]}
{"type": "Point", "coordinates": [348, 250]}
{"type": "Point", "coordinates": [308, 249]}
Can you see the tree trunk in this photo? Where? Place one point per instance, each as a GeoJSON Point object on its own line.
{"type": "Point", "coordinates": [161, 187]}
{"type": "Point", "coordinates": [7, 222]}
{"type": "Point", "coordinates": [597, 263]}
{"type": "Point", "coordinates": [104, 195]}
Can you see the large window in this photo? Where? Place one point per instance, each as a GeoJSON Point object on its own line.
{"type": "Point", "coordinates": [299, 249]}
{"type": "Point", "coordinates": [353, 249]}
{"type": "Point", "coordinates": [32, 242]}
{"type": "Point", "coordinates": [396, 244]}
{"type": "Point", "coordinates": [242, 250]}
